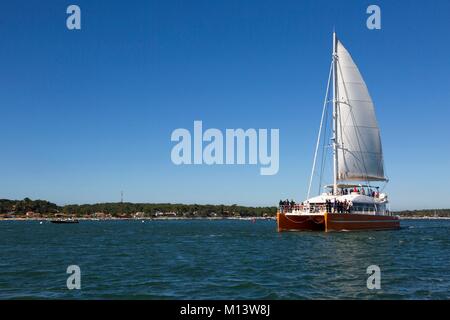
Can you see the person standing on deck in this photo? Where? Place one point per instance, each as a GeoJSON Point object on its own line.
{"type": "Point", "coordinates": [328, 205]}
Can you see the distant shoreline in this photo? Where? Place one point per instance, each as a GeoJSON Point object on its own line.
{"type": "Point", "coordinates": [43, 210]}
{"type": "Point", "coordinates": [187, 218]}
{"type": "Point", "coordinates": [424, 218]}
{"type": "Point", "coordinates": [143, 218]}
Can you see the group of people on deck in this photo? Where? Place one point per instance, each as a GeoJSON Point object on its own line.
{"type": "Point", "coordinates": [338, 206]}
{"type": "Point", "coordinates": [335, 206]}
{"type": "Point", "coordinates": [288, 205]}
{"type": "Point", "coordinates": [369, 192]}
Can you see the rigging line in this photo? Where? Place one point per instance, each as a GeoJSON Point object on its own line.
{"type": "Point", "coordinates": [324, 153]}
{"type": "Point", "coordinates": [381, 162]}
{"type": "Point", "coordinates": [320, 130]}
{"type": "Point", "coordinates": [384, 186]}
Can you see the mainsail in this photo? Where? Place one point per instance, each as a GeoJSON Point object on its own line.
{"type": "Point", "coordinates": [359, 152]}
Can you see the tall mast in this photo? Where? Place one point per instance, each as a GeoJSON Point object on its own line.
{"type": "Point", "coordinates": [335, 107]}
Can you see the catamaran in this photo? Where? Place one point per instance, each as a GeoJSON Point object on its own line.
{"type": "Point", "coordinates": [353, 201]}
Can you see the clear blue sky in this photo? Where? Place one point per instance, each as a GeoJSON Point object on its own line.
{"type": "Point", "coordinates": [86, 114]}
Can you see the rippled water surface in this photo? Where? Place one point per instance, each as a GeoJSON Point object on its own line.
{"type": "Point", "coordinates": [221, 259]}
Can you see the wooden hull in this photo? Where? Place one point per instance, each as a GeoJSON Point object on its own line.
{"type": "Point", "coordinates": [300, 222]}
{"type": "Point", "coordinates": [353, 222]}
{"type": "Point", "coordinates": [336, 222]}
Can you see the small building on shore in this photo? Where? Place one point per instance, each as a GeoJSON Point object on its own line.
{"type": "Point", "coordinates": [139, 215]}
{"type": "Point", "coordinates": [100, 215]}
{"type": "Point", "coordinates": [165, 214]}
{"type": "Point", "coordinates": [31, 214]}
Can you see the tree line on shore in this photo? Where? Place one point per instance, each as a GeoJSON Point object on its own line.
{"type": "Point", "coordinates": [27, 205]}
{"type": "Point", "coordinates": [43, 207]}
{"type": "Point", "coordinates": [21, 207]}
{"type": "Point", "coordinates": [425, 213]}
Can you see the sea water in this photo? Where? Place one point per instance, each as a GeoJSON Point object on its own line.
{"type": "Point", "coordinates": [221, 259]}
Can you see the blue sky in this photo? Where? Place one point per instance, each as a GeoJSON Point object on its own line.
{"type": "Point", "coordinates": [88, 113]}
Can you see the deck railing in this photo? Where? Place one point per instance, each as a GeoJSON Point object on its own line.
{"type": "Point", "coordinates": [323, 209]}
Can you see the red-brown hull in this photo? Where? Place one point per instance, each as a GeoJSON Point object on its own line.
{"type": "Point", "coordinates": [336, 222]}
{"type": "Point", "coordinates": [300, 222]}
{"type": "Point", "coordinates": [352, 222]}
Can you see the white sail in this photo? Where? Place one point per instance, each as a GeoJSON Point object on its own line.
{"type": "Point", "coordinates": [359, 151]}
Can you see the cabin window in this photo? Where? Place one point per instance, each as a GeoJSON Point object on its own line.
{"type": "Point", "coordinates": [364, 207]}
